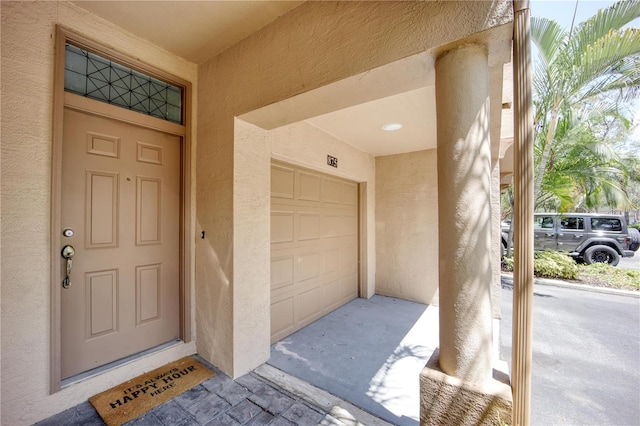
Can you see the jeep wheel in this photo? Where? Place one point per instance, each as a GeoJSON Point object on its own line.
{"type": "Point", "coordinates": [634, 234]}
{"type": "Point", "coordinates": [601, 254]}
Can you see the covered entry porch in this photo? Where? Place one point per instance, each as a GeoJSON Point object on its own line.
{"type": "Point", "coordinates": [255, 100]}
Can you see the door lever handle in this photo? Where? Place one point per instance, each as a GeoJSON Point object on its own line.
{"type": "Point", "coordinates": [67, 253]}
{"type": "Point", "coordinates": [69, 265]}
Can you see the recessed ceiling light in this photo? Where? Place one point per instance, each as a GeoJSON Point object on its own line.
{"type": "Point", "coordinates": [392, 127]}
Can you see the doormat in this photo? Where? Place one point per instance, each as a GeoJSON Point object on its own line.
{"type": "Point", "coordinates": [135, 397]}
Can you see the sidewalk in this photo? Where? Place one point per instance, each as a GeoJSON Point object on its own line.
{"type": "Point", "coordinates": [584, 287]}
{"type": "Point", "coordinates": [266, 396]}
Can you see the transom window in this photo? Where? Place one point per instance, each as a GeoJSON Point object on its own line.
{"type": "Point", "coordinates": [95, 77]}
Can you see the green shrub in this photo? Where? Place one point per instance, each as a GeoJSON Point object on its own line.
{"type": "Point", "coordinates": [598, 269]}
{"type": "Point", "coordinates": [549, 264]}
{"type": "Point", "coordinates": [507, 264]}
{"type": "Point", "coordinates": [635, 225]}
{"type": "Point", "coordinates": [553, 264]}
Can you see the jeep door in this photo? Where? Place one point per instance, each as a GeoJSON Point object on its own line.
{"type": "Point", "coordinates": [544, 233]}
{"type": "Point", "coordinates": [571, 233]}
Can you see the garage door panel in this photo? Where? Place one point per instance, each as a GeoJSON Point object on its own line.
{"type": "Point", "coordinates": [309, 186]}
{"type": "Point", "coordinates": [348, 260]}
{"type": "Point", "coordinates": [334, 294]}
{"type": "Point", "coordinates": [331, 261]}
{"type": "Point", "coordinates": [350, 225]}
{"type": "Point", "coordinates": [282, 271]}
{"type": "Point", "coordinates": [349, 287]}
{"type": "Point", "coordinates": [282, 226]}
{"type": "Point", "coordinates": [282, 179]}
{"type": "Point", "coordinates": [309, 304]}
{"type": "Point", "coordinates": [309, 226]}
{"type": "Point", "coordinates": [332, 225]}
{"type": "Point", "coordinates": [314, 247]}
{"type": "Point", "coordinates": [350, 194]}
{"type": "Point", "coordinates": [282, 316]}
{"type": "Point", "coordinates": [308, 266]}
{"type": "Point", "coordinates": [332, 191]}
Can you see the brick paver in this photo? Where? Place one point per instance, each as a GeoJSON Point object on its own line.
{"type": "Point", "coordinates": [219, 401]}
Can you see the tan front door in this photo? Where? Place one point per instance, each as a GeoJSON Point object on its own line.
{"type": "Point", "coordinates": [314, 246]}
{"type": "Point", "coordinates": [121, 201]}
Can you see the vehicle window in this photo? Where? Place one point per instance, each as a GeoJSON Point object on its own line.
{"type": "Point", "coordinates": [543, 222]}
{"type": "Point", "coordinates": [572, 223]}
{"type": "Point", "coordinates": [606, 224]}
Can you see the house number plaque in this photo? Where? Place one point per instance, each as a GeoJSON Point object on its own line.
{"type": "Point", "coordinates": [332, 161]}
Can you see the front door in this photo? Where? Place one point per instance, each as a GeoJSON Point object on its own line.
{"type": "Point", "coordinates": [121, 214]}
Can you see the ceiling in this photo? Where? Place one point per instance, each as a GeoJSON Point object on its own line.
{"type": "Point", "coordinates": [361, 125]}
{"type": "Point", "coordinates": [199, 30]}
{"type": "Point", "coordinates": [194, 30]}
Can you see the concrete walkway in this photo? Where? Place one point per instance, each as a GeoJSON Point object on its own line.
{"type": "Point", "coordinates": [368, 352]}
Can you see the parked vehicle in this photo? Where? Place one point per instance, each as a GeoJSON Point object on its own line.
{"type": "Point", "coordinates": [588, 237]}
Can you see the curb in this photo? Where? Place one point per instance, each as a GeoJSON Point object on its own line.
{"type": "Point", "coordinates": [582, 287]}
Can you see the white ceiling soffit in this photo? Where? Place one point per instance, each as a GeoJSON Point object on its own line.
{"type": "Point", "coordinates": [194, 30]}
{"type": "Point", "coordinates": [361, 125]}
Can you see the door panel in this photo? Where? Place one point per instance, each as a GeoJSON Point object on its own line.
{"type": "Point", "coordinates": [121, 197]}
{"type": "Point", "coordinates": [314, 246]}
{"type": "Point", "coordinates": [101, 300]}
{"type": "Point", "coordinates": [102, 195]}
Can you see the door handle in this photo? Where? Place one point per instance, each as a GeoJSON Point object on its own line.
{"type": "Point", "coordinates": [549, 234]}
{"type": "Point", "coordinates": [67, 253]}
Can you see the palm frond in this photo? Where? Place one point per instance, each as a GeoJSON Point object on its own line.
{"type": "Point", "coordinates": [609, 64]}
{"type": "Point", "coordinates": [605, 20]}
{"type": "Point", "coordinates": [548, 36]}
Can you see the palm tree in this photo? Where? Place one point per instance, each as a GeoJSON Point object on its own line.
{"type": "Point", "coordinates": [591, 68]}
{"type": "Point", "coordinates": [585, 168]}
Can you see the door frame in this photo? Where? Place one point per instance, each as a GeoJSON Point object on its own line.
{"type": "Point", "coordinates": [61, 100]}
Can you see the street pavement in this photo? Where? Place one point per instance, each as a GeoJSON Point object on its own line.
{"type": "Point", "coordinates": [586, 356]}
{"type": "Point", "coordinates": [630, 262]}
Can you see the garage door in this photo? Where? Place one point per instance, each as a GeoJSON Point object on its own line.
{"type": "Point", "coordinates": [314, 246]}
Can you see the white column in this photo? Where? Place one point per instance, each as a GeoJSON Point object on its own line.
{"type": "Point", "coordinates": [464, 213]}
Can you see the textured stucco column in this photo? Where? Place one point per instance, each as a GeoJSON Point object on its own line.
{"type": "Point", "coordinates": [458, 385]}
{"type": "Point", "coordinates": [464, 211]}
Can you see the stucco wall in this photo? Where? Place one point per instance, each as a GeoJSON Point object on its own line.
{"type": "Point", "coordinates": [407, 226]}
{"type": "Point", "coordinates": [28, 35]}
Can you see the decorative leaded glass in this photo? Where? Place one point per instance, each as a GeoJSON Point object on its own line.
{"type": "Point", "coordinates": [92, 76]}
